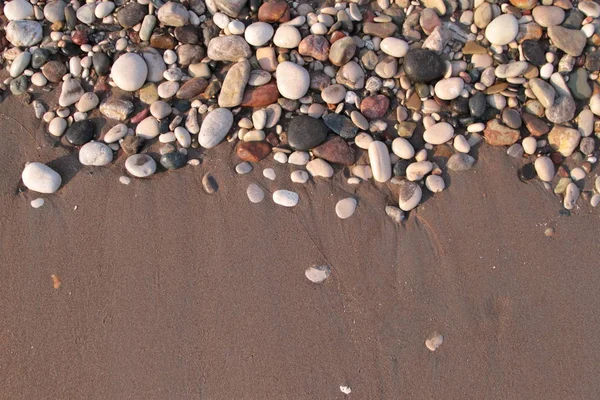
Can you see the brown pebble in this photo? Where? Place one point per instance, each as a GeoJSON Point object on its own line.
{"type": "Point", "coordinates": [549, 232]}
{"type": "Point", "coordinates": [253, 151]}
{"type": "Point", "coordinates": [209, 184]}
{"type": "Point", "coordinates": [56, 282]}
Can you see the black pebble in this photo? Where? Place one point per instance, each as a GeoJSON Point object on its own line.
{"type": "Point", "coordinates": [527, 172]}
{"type": "Point", "coordinates": [173, 160]}
{"type": "Point", "coordinates": [80, 132]}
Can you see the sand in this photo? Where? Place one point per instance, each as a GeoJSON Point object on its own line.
{"type": "Point", "coordinates": [169, 293]}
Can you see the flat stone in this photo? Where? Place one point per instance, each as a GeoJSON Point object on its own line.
{"type": "Point", "coordinates": [460, 162]}
{"type": "Point", "coordinates": [155, 65]}
{"type": "Point", "coordinates": [234, 84]}
{"type": "Point", "coordinates": [345, 208]}
{"type": "Point", "coordinates": [578, 83]}
{"type": "Point", "coordinates": [285, 198]}
{"type": "Point", "coordinates": [140, 165]}
{"type": "Point", "coordinates": [497, 134]}
{"type": "Point", "coordinates": [115, 133]}
{"type": "Point", "coordinates": [374, 107]}
{"type": "Point", "coordinates": [313, 46]}
{"type": "Point", "coordinates": [54, 11]}
{"type": "Point", "coordinates": [333, 94]}
{"type": "Point", "coordinates": [439, 133]}
{"type": "Point", "coordinates": [253, 151]}
{"type": "Point", "coordinates": [192, 89]}
{"type": "Point", "coordinates": [543, 91]}
{"type": "Point", "coordinates": [319, 168]}
{"type": "Point", "coordinates": [274, 11]}
{"type": "Point", "coordinates": [335, 150]}
{"type": "Point", "coordinates": [228, 48]}
{"type": "Point", "coordinates": [115, 108]}
{"type": "Point", "coordinates": [255, 193]}
{"type": "Point", "coordinates": [231, 7]}
{"type": "Point", "coordinates": [173, 160]}
{"type": "Point", "coordinates": [381, 30]}
{"type": "Point", "coordinates": [341, 125]}
{"type": "Point", "coordinates": [317, 274]}
{"type": "Point", "coordinates": [260, 96]}
{"type": "Point", "coordinates": [173, 14]}
{"type": "Point", "coordinates": [511, 70]}
{"type": "Point", "coordinates": [524, 4]}
{"type": "Point", "coordinates": [547, 16]}
{"type": "Point", "coordinates": [563, 110]}
{"type": "Point", "coordinates": [40, 178]}
{"type": "Point", "coordinates": [571, 41]}
{"type": "Point", "coordinates": [351, 75]}
{"type": "Point", "coordinates": [305, 132]}
{"type": "Point", "coordinates": [564, 140]}
{"type": "Point", "coordinates": [342, 51]}
{"type": "Point", "coordinates": [54, 71]}
{"type": "Point", "coordinates": [215, 127]}
{"type": "Point", "coordinates": [189, 54]}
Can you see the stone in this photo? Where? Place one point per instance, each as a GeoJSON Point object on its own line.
{"type": "Point", "coordinates": [379, 159]}
{"type": "Point", "coordinates": [230, 7]}
{"type": "Point", "coordinates": [502, 30]}
{"type": "Point", "coordinates": [571, 196]}
{"type": "Point", "coordinates": [335, 150]}
{"type": "Point", "coordinates": [511, 118]}
{"type": "Point", "coordinates": [148, 128]}
{"type": "Point", "coordinates": [80, 132]}
{"type": "Point", "coordinates": [24, 33]}
{"type": "Point", "coordinates": [497, 134]}
{"type": "Point", "coordinates": [40, 178]}
{"type": "Point", "coordinates": [163, 40]}
{"type": "Point", "coordinates": [292, 80]}
{"type": "Point", "coordinates": [253, 151]}
{"type": "Point", "coordinates": [571, 41]}
{"type": "Point", "coordinates": [19, 64]}
{"type": "Point", "coordinates": [228, 48]}
{"type": "Point", "coordinates": [318, 274]}
{"type": "Point", "coordinates": [115, 133]}
{"type": "Point", "coordinates": [345, 208]}
{"type": "Point", "coordinates": [234, 84]}
{"type": "Point", "coordinates": [333, 94]}
{"type": "Point", "coordinates": [547, 16]}
{"type": "Point", "coordinates": [285, 198]}
{"type": "Point", "coordinates": [382, 30]}
{"type": "Point", "coordinates": [534, 125]}
{"type": "Point", "coordinates": [131, 14]}
{"type": "Point", "coordinates": [298, 158]}
{"type": "Point", "coordinates": [255, 193]}
{"type": "Point", "coordinates": [87, 102]}
{"type": "Point", "coordinates": [511, 70]}
{"type": "Point", "coordinates": [477, 105]}
{"type": "Point", "coordinates": [435, 183]}
{"type": "Point", "coordinates": [533, 52]}
{"type": "Point", "coordinates": [387, 67]}
{"type": "Point", "coordinates": [460, 162]}
{"type": "Point", "coordinates": [191, 89]}
{"type": "Point", "coordinates": [95, 154]}
{"type": "Point", "coordinates": [287, 37]}
{"type": "Point", "coordinates": [54, 11]}
{"type": "Point", "coordinates": [57, 126]}
{"type": "Point", "coordinates": [129, 72]}
{"type": "Point", "coordinates": [215, 127]}
{"type": "Point", "coordinates": [562, 111]}
{"type": "Point", "coordinates": [155, 64]}
{"type": "Point", "coordinates": [86, 14]}
{"type": "Point", "coordinates": [313, 46]}
{"type": "Point", "coordinates": [543, 91]}
{"type": "Point", "coordinates": [422, 65]}
{"type": "Point", "coordinates": [578, 83]}
{"type": "Point", "coordinates": [274, 11]}
{"type": "Point", "coordinates": [319, 168]}
{"type": "Point", "coordinates": [305, 132]}
{"type": "Point", "coordinates": [402, 148]}
{"type": "Point", "coordinates": [54, 71]}
{"type": "Point", "coordinates": [103, 9]}
{"type": "Point", "coordinates": [260, 96]}
{"type": "Point", "coordinates": [449, 88]}
{"type": "Point", "coordinates": [524, 4]}
{"type": "Point", "coordinates": [71, 91]}
{"type": "Point", "coordinates": [341, 125]}
{"type": "Point", "coordinates": [258, 33]}
{"type": "Point", "coordinates": [299, 176]}
{"type": "Point", "coordinates": [544, 167]}
{"type": "Point", "coordinates": [374, 107]}
{"type": "Point", "coordinates": [267, 59]}
{"type": "Point", "coordinates": [115, 108]}
{"type": "Point", "coordinates": [173, 160]}
{"type": "Point", "coordinates": [160, 109]}
{"type": "Point", "coordinates": [439, 133]}
{"type": "Point", "coordinates": [173, 14]}
{"type": "Point", "coordinates": [342, 51]}
{"type": "Point", "coordinates": [351, 75]}
{"type": "Point", "coordinates": [417, 170]}
{"type": "Point", "coordinates": [140, 165]}
{"type": "Point", "coordinates": [189, 54]}
{"type": "Point", "coordinates": [410, 195]}
{"type": "Point", "coordinates": [564, 140]}
{"type": "Point", "coordinates": [209, 184]}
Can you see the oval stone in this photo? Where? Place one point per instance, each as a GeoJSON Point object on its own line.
{"type": "Point", "coordinates": [215, 127]}
{"type": "Point", "coordinates": [379, 158]}
{"type": "Point", "coordinates": [285, 198]}
{"type": "Point", "coordinates": [95, 154]}
{"type": "Point", "coordinates": [544, 168]}
{"type": "Point", "coordinates": [449, 88]}
{"type": "Point", "coordinates": [140, 165]}
{"type": "Point", "coordinates": [292, 80]}
{"type": "Point", "coordinates": [438, 133]}
{"type": "Point", "coordinates": [394, 47]}
{"type": "Point", "coordinates": [41, 178]}
{"type": "Point", "coordinates": [129, 72]}
{"type": "Point", "coordinates": [345, 207]}
{"type": "Point", "coordinates": [502, 30]}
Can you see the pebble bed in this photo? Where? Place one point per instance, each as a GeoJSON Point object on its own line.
{"type": "Point", "coordinates": [395, 91]}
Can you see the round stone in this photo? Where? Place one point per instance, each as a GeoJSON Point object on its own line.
{"type": "Point", "coordinates": [173, 160]}
{"type": "Point", "coordinates": [57, 126]}
{"type": "Point", "coordinates": [40, 178]}
{"type": "Point", "coordinates": [410, 195]}
{"type": "Point", "coordinates": [287, 37]}
{"type": "Point", "coordinates": [258, 34]}
{"type": "Point", "coordinates": [345, 207]}
{"type": "Point", "coordinates": [24, 33]}
{"type": "Point", "coordinates": [115, 133]}
{"type": "Point", "coordinates": [173, 14]}
{"type": "Point", "coordinates": [333, 94]}
{"type": "Point", "coordinates": [435, 183]}
{"type": "Point", "coordinates": [81, 132]}
{"type": "Point", "coordinates": [319, 168]}
{"type": "Point", "coordinates": [129, 72]}
{"type": "Point", "coordinates": [255, 193]}
{"type": "Point", "coordinates": [317, 274]}
{"type": "Point", "coordinates": [96, 154]}
{"type": "Point", "coordinates": [285, 198]}
{"type": "Point", "coordinates": [215, 127]}
{"type": "Point", "coordinates": [394, 47]}
{"type": "Point", "coordinates": [87, 102]}
{"type": "Point", "coordinates": [140, 165]}
{"type": "Point", "coordinates": [449, 88]}
{"type": "Point", "coordinates": [502, 30]}
{"type": "Point", "coordinates": [299, 176]}
{"type": "Point", "coordinates": [438, 133]}
{"type": "Point", "coordinates": [402, 148]}
{"type": "Point", "coordinates": [305, 132]}
{"type": "Point", "coordinates": [293, 80]}
{"type": "Point", "coordinates": [148, 128]}
{"type": "Point", "coordinates": [18, 10]}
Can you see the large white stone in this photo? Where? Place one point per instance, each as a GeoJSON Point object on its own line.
{"type": "Point", "coordinates": [18, 9]}
{"type": "Point", "coordinates": [115, 133]}
{"type": "Point", "coordinates": [345, 207]}
{"type": "Point", "coordinates": [255, 193]}
{"type": "Point", "coordinates": [319, 167]}
{"type": "Point", "coordinates": [417, 170]}
{"type": "Point", "coordinates": [394, 47]}
{"type": "Point", "coordinates": [95, 153]}
{"type": "Point", "coordinates": [502, 30]}
{"type": "Point", "coordinates": [258, 33]}
{"type": "Point", "coordinates": [292, 80]}
{"type": "Point", "coordinates": [287, 37]}
{"type": "Point", "coordinates": [379, 158]}
{"type": "Point", "coordinates": [285, 198]}
{"type": "Point", "coordinates": [544, 168]}
{"type": "Point", "coordinates": [438, 133]}
{"type": "Point", "coordinates": [140, 165]}
{"type": "Point", "coordinates": [41, 178]}
{"type": "Point", "coordinates": [129, 72]}
{"type": "Point", "coordinates": [410, 195]}
{"type": "Point", "coordinates": [148, 128]}
{"type": "Point", "coordinates": [402, 148]}
{"type": "Point", "coordinates": [317, 274]}
{"type": "Point", "coordinates": [215, 127]}
{"type": "Point", "coordinates": [449, 88]}
{"type": "Point", "coordinates": [24, 33]}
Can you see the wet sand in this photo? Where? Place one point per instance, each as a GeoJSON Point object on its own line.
{"type": "Point", "coordinates": [170, 293]}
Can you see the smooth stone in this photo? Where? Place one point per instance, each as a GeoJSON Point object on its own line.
{"type": "Point", "coordinates": [435, 183]}
{"type": "Point", "coordinates": [148, 128]}
{"type": "Point", "coordinates": [319, 168]}
{"type": "Point", "coordinates": [511, 70]}
{"type": "Point", "coordinates": [529, 145]}
{"type": "Point", "coordinates": [394, 47]}
{"type": "Point", "coordinates": [80, 132]}
{"type": "Point", "coordinates": [232, 91]}
{"type": "Point", "coordinates": [129, 72]}
{"type": "Point", "coordinates": [502, 30]}
{"type": "Point", "coordinates": [54, 71]}
{"type": "Point", "coordinates": [402, 148]}
{"type": "Point", "coordinates": [595, 104]}
{"type": "Point", "coordinates": [341, 125]}
{"type": "Point", "coordinates": [70, 93]}
{"type": "Point", "coordinates": [449, 88]}
{"type": "Point", "coordinates": [342, 51]}
{"type": "Point", "coordinates": [259, 78]}
{"type": "Point", "coordinates": [215, 127]}
{"type": "Point", "coordinates": [293, 80]}
{"type": "Point", "coordinates": [585, 122]}
{"type": "Point", "coordinates": [314, 46]}
{"type": "Point", "coordinates": [255, 193]}
{"type": "Point", "coordinates": [562, 110]}
{"type": "Point", "coordinates": [37, 203]}
{"type": "Point", "coordinates": [103, 9]}
{"type": "Point", "coordinates": [578, 83]}
{"type": "Point", "coordinates": [564, 140]}
{"type": "Point", "coordinates": [351, 75]}
{"type": "Point", "coordinates": [533, 52]}
{"type": "Point", "coordinates": [231, 7]}
{"type": "Point", "coordinates": [544, 167]}
{"type": "Point", "coordinates": [374, 107]}
{"type": "Point", "coordinates": [24, 33]}
{"type": "Point", "coordinates": [228, 48]}
{"type": "Point", "coordinates": [287, 37]}
{"type": "Point", "coordinates": [160, 109]}
{"type": "Point", "coordinates": [95, 154]}
{"type": "Point", "coordinates": [497, 134]}
{"type": "Point", "coordinates": [243, 168]}
{"type": "Point", "coordinates": [305, 132]}
{"type": "Point", "coordinates": [299, 176]}
{"type": "Point", "coordinates": [173, 160]}
{"type": "Point", "coordinates": [379, 159]}
{"type": "Point", "coordinates": [547, 16]}
{"type": "Point", "coordinates": [258, 33]}
{"type": "Point", "coordinates": [87, 102]}
{"type": "Point", "coordinates": [571, 196]}
{"type": "Point", "coordinates": [571, 41]}
{"type": "Point", "coordinates": [54, 11]}
{"type": "Point", "coordinates": [477, 105]}
{"type": "Point", "coordinates": [57, 126]}
{"type": "Point", "coordinates": [318, 274]}
{"type": "Point", "coordinates": [516, 151]}
{"type": "Point", "coordinates": [192, 88]}
{"type": "Point", "coordinates": [285, 198]}
{"type": "Point", "coordinates": [115, 108]}
{"type": "Point", "coordinates": [259, 119]}
{"type": "Point", "coordinates": [115, 133]}
{"type": "Point", "coordinates": [209, 184]}
{"type": "Point", "coordinates": [20, 63]}
{"type": "Point", "coordinates": [140, 165]}
{"type": "Point", "coordinates": [269, 173]}
{"type": "Point", "coordinates": [417, 170]}
{"type": "Point", "coordinates": [40, 178]}
{"type": "Point", "coordinates": [439, 133]}
{"type": "Point", "coordinates": [345, 208]}
{"type": "Point", "coordinates": [86, 14]}
{"type": "Point", "coordinates": [335, 150]}
{"type": "Point", "coordinates": [155, 65]}
{"type": "Point", "coordinates": [543, 91]}
{"type": "Point", "coordinates": [333, 94]}
{"type": "Point", "coordinates": [511, 118]}
{"type": "Point", "coordinates": [298, 158]}
{"type": "Point", "coordinates": [173, 14]}
{"type": "Point", "coordinates": [131, 14]}
{"type": "Point", "coordinates": [460, 162]}
{"type": "Point", "coordinates": [409, 195]}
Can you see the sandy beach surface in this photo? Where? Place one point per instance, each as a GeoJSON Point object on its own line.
{"type": "Point", "coordinates": [170, 293]}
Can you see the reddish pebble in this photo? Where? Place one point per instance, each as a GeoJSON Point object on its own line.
{"type": "Point", "coordinates": [140, 116]}
{"type": "Point", "coordinates": [253, 151]}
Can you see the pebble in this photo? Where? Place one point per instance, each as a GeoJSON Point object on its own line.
{"type": "Point", "coordinates": [529, 145]}
{"type": "Point", "coordinates": [209, 184]}
{"type": "Point", "coordinates": [173, 14]}
{"type": "Point", "coordinates": [232, 90]}
{"type": "Point", "coordinates": [460, 162]}
{"type": "Point", "coordinates": [228, 48]}
{"type": "Point", "coordinates": [70, 93]}
{"type": "Point", "coordinates": [305, 132]}
{"type": "Point", "coordinates": [18, 10]}
{"type": "Point", "coordinates": [379, 159]}
{"type": "Point", "coordinates": [173, 160]}
{"type": "Point", "coordinates": [345, 208]}
{"type": "Point", "coordinates": [299, 176]}
{"type": "Point", "coordinates": [434, 342]}
{"type": "Point", "coordinates": [285, 198]}
{"type": "Point", "coordinates": [129, 72]}
{"type": "Point", "coordinates": [461, 144]}
{"type": "Point", "coordinates": [258, 34]}
{"type": "Point", "coordinates": [24, 33]}
{"type": "Point", "coordinates": [439, 133]}
{"type": "Point", "coordinates": [571, 196]}
{"type": "Point", "coordinates": [80, 132]}
{"type": "Point", "coordinates": [215, 127]}
{"type": "Point", "coordinates": [298, 157]}
{"type": "Point", "coordinates": [148, 128]}
{"type": "Point", "coordinates": [318, 274]}
{"type": "Point", "coordinates": [564, 140]}
{"type": "Point", "coordinates": [333, 94]}
{"type": "Point", "coordinates": [417, 170]}
{"type": "Point", "coordinates": [20, 63]}
{"type": "Point", "coordinates": [37, 203]}
{"type": "Point", "coordinates": [57, 126]}
{"type": "Point", "coordinates": [269, 173]}
{"type": "Point", "coordinates": [115, 133]}
{"type": "Point", "coordinates": [409, 196]}
{"type": "Point", "coordinates": [319, 168]}
{"type": "Point", "coordinates": [40, 178]}
{"type": "Point", "coordinates": [87, 102]}
{"type": "Point", "coordinates": [544, 168]}
{"type": "Point", "coordinates": [95, 154]}
{"type": "Point", "coordinates": [394, 47]}
{"type": "Point", "coordinates": [502, 30]}
{"type": "Point", "coordinates": [449, 88]}
{"type": "Point", "coordinates": [401, 147]}
{"type": "Point", "coordinates": [293, 80]}
{"type": "Point", "coordinates": [435, 183]}
{"type": "Point", "coordinates": [255, 193]}
{"type": "Point", "coordinates": [140, 165]}
{"type": "Point", "coordinates": [287, 37]}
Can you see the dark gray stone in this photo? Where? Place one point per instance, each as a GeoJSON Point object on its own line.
{"type": "Point", "coordinates": [422, 65]}
{"type": "Point", "coordinates": [477, 105]}
{"type": "Point", "coordinates": [341, 125]}
{"type": "Point", "coordinates": [305, 132]}
{"type": "Point", "coordinates": [80, 132]}
{"type": "Point", "coordinates": [173, 160]}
